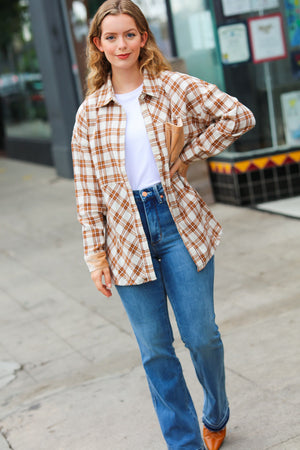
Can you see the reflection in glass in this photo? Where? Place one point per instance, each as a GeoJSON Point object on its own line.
{"type": "Point", "coordinates": [23, 108]}
{"type": "Point", "coordinates": [195, 39]}
{"type": "Point", "coordinates": [156, 13]}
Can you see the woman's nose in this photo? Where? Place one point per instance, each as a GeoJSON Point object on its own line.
{"type": "Point", "coordinates": [121, 42]}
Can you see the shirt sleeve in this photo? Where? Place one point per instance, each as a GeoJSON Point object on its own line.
{"type": "Point", "coordinates": [89, 200]}
{"type": "Point", "coordinates": [220, 118]}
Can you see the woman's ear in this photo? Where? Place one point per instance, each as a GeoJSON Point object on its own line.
{"type": "Point", "coordinates": [144, 39]}
{"type": "Point", "coordinates": [97, 42]}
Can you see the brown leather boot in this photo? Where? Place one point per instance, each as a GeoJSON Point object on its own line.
{"type": "Point", "coordinates": [213, 439]}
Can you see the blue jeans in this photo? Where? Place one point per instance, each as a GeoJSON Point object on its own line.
{"type": "Point", "coordinates": [191, 296]}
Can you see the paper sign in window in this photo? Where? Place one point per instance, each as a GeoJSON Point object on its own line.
{"type": "Point", "coordinates": [237, 7]}
{"type": "Point", "coordinates": [234, 45]}
{"type": "Point", "coordinates": [290, 103]}
{"type": "Point", "coordinates": [267, 38]}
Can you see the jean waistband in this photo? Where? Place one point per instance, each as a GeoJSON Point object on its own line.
{"type": "Point", "coordinates": [152, 191]}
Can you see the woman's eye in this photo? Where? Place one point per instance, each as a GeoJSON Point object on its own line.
{"type": "Point", "coordinates": [131, 35]}
{"type": "Point", "coordinates": [109, 38]}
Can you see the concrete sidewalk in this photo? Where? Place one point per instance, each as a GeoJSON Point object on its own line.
{"type": "Point", "coordinates": [70, 374]}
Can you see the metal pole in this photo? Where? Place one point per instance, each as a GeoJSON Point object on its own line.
{"type": "Point", "coordinates": [270, 101]}
{"type": "Point", "coordinates": [66, 20]}
{"type": "Point", "coordinates": [60, 90]}
{"type": "Point", "coordinates": [270, 104]}
{"type": "Point", "coordinates": [171, 28]}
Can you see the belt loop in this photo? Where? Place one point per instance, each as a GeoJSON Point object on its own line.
{"type": "Point", "coordinates": [159, 198]}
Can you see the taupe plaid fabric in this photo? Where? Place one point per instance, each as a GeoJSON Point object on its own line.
{"type": "Point", "coordinates": [111, 225]}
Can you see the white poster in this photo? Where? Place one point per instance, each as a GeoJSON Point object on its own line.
{"type": "Point", "coordinates": [267, 38]}
{"type": "Point", "coordinates": [258, 5]}
{"type": "Point", "coordinates": [235, 7]}
{"type": "Point", "coordinates": [234, 43]}
{"type": "Point", "coordinates": [290, 104]}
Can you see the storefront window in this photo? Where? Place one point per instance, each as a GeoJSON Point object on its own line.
{"type": "Point", "coordinates": [23, 108]}
{"type": "Point", "coordinates": [156, 13]}
{"type": "Point", "coordinates": [268, 79]}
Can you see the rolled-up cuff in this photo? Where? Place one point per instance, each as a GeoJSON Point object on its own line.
{"type": "Point", "coordinates": [97, 261]}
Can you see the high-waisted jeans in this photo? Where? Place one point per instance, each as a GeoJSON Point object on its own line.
{"type": "Point", "coordinates": [191, 296]}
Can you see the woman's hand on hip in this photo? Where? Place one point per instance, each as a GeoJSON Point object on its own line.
{"type": "Point", "coordinates": [175, 167]}
{"type": "Point", "coordinates": [180, 167]}
{"type": "Point", "coordinates": [102, 280]}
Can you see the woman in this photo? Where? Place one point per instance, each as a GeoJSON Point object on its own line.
{"type": "Point", "coordinates": [144, 226]}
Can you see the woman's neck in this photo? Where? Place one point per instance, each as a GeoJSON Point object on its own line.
{"type": "Point", "coordinates": [126, 81]}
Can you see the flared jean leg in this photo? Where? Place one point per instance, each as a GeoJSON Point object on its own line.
{"type": "Point", "coordinates": [191, 295]}
{"type": "Point", "coordinates": [146, 307]}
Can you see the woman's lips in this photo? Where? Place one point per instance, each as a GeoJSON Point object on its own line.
{"type": "Point", "coordinates": [124, 56]}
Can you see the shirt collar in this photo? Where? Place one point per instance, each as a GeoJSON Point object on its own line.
{"type": "Point", "coordinates": [151, 86]}
{"type": "Point", "coordinates": [106, 93]}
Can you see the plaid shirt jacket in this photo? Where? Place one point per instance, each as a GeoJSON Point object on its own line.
{"type": "Point", "coordinates": [112, 230]}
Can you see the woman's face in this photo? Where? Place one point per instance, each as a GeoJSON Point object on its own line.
{"type": "Point", "coordinates": [120, 41]}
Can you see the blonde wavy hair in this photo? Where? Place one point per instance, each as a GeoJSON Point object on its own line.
{"type": "Point", "coordinates": [99, 67]}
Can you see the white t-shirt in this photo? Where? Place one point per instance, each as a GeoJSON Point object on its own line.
{"type": "Point", "coordinates": [140, 164]}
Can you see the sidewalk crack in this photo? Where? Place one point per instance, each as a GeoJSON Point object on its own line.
{"type": "Point", "coordinates": [283, 442]}
{"type": "Point", "coordinates": [4, 435]}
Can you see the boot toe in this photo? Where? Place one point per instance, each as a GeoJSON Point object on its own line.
{"type": "Point", "coordinates": [213, 439]}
